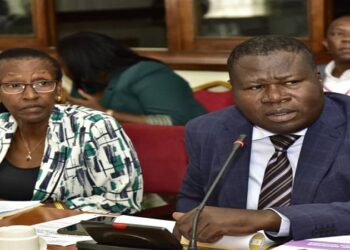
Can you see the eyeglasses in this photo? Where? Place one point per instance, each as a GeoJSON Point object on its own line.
{"type": "Point", "coordinates": [42, 86]}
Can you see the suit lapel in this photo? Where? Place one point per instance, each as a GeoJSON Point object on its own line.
{"type": "Point", "coordinates": [234, 184]}
{"type": "Point", "coordinates": [322, 141]}
{"type": "Point", "coordinates": [321, 144]}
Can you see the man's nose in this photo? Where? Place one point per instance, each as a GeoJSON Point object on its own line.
{"type": "Point", "coordinates": [273, 94]}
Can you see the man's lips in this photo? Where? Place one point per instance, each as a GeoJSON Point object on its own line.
{"type": "Point", "coordinates": [282, 115]}
{"type": "Point", "coordinates": [345, 50]}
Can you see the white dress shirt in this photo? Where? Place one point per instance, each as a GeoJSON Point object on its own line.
{"type": "Point", "coordinates": [262, 150]}
{"type": "Point", "coordinates": [335, 84]}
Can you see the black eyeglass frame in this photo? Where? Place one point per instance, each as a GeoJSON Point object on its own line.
{"type": "Point", "coordinates": [23, 86]}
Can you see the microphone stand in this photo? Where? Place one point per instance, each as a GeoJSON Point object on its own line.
{"type": "Point", "coordinates": [238, 144]}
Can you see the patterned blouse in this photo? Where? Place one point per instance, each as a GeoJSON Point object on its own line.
{"type": "Point", "coordinates": [89, 162]}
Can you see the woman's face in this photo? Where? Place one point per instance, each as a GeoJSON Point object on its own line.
{"type": "Point", "coordinates": [28, 106]}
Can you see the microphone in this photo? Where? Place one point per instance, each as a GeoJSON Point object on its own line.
{"type": "Point", "coordinates": [237, 145]}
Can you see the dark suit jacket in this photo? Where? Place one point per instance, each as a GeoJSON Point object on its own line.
{"type": "Point", "coordinates": [321, 191]}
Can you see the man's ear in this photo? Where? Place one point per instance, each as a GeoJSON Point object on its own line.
{"type": "Point", "coordinates": [230, 82]}
{"type": "Point", "coordinates": [325, 44]}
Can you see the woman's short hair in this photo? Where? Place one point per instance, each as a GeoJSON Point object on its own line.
{"type": "Point", "coordinates": [23, 53]}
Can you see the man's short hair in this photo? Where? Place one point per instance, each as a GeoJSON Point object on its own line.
{"type": "Point", "coordinates": [331, 25]}
{"type": "Point", "coordinates": [265, 45]}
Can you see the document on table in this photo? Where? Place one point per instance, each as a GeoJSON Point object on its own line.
{"type": "Point", "coordinates": [8, 208]}
{"type": "Point", "coordinates": [48, 230]}
{"type": "Point", "coordinates": [336, 242]}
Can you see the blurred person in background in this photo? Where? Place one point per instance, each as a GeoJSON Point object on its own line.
{"type": "Point", "coordinates": [110, 77]}
{"type": "Point", "coordinates": [337, 72]}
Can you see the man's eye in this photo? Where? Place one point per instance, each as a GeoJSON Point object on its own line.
{"type": "Point", "coordinates": [289, 83]}
{"type": "Point", "coordinates": [336, 33]}
{"type": "Point", "coordinates": [256, 87]}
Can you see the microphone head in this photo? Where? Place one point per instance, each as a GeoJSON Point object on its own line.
{"type": "Point", "coordinates": [240, 140]}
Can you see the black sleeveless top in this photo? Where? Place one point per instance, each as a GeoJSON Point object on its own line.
{"type": "Point", "coordinates": [17, 183]}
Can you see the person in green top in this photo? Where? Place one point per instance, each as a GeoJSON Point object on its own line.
{"type": "Point", "coordinates": [110, 77]}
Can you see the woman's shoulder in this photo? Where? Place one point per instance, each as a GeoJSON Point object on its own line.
{"type": "Point", "coordinates": [81, 113]}
{"type": "Point", "coordinates": [146, 66]}
{"type": "Point", "coordinates": [71, 121]}
{"type": "Point", "coordinates": [146, 73]}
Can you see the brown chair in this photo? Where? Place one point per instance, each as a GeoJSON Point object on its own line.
{"type": "Point", "coordinates": [214, 95]}
{"type": "Point", "coordinates": [162, 155]}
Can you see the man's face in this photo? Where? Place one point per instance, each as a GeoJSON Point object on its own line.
{"type": "Point", "coordinates": [338, 40]}
{"type": "Point", "coordinates": [279, 92]}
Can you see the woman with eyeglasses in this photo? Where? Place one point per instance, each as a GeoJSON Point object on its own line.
{"type": "Point", "coordinates": [53, 152]}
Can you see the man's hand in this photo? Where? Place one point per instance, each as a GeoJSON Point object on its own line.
{"type": "Point", "coordinates": [88, 101]}
{"type": "Point", "coordinates": [215, 222]}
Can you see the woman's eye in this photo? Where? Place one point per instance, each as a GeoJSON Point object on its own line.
{"type": "Point", "coordinates": [14, 85]}
{"type": "Point", "coordinates": [41, 83]}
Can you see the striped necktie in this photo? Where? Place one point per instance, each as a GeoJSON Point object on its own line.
{"type": "Point", "coordinates": [276, 189]}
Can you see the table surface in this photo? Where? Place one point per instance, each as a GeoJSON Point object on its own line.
{"type": "Point", "coordinates": [38, 215]}
{"type": "Point", "coordinates": [44, 214]}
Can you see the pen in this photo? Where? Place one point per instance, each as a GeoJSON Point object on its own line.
{"type": "Point", "coordinates": [58, 205]}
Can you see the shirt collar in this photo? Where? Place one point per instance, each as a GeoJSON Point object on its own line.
{"type": "Point", "coordinates": [260, 133]}
{"type": "Point", "coordinates": [329, 69]}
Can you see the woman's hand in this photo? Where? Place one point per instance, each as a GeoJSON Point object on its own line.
{"type": "Point", "coordinates": [88, 101]}
{"type": "Point", "coordinates": [215, 222]}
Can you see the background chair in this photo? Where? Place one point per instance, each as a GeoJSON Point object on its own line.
{"type": "Point", "coordinates": [162, 155]}
{"type": "Point", "coordinates": [214, 95]}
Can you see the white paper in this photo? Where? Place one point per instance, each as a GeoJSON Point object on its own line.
{"type": "Point", "coordinates": [48, 230]}
{"type": "Point", "coordinates": [336, 242]}
{"type": "Point", "coordinates": [11, 207]}
{"type": "Point", "coordinates": [226, 242]}
{"type": "Point", "coordinates": [168, 224]}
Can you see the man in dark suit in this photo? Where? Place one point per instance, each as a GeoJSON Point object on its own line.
{"type": "Point", "coordinates": [277, 91]}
